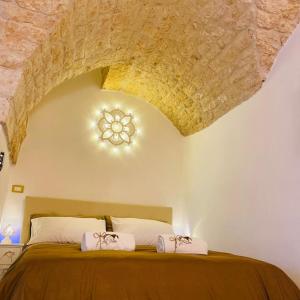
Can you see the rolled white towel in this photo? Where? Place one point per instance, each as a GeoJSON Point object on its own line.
{"type": "Point", "coordinates": [168, 243]}
{"type": "Point", "coordinates": [107, 241]}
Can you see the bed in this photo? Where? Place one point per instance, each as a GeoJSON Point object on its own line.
{"type": "Point", "coordinates": [62, 271]}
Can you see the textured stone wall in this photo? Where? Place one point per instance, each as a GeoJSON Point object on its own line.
{"type": "Point", "coordinates": [193, 59]}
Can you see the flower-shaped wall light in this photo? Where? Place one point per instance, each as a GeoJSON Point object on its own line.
{"type": "Point", "coordinates": [116, 127]}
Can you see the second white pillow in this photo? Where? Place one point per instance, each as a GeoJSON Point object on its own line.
{"type": "Point", "coordinates": [145, 231]}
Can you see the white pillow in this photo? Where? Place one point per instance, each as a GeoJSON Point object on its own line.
{"type": "Point", "coordinates": [145, 231]}
{"type": "Point", "coordinates": [63, 229]}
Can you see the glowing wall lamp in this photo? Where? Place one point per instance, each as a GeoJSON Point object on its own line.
{"type": "Point", "coordinates": [116, 127]}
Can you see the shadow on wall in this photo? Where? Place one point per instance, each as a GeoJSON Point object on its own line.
{"type": "Point", "coordinates": [243, 173]}
{"type": "Point", "coordinates": [4, 173]}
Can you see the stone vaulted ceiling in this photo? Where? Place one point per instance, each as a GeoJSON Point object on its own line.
{"type": "Point", "coordinates": [193, 59]}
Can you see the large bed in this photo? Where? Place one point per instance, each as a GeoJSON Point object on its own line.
{"type": "Point", "coordinates": [62, 271]}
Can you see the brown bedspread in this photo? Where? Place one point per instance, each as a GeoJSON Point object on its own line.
{"type": "Point", "coordinates": [63, 272]}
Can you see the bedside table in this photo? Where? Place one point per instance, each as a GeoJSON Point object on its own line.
{"type": "Point", "coordinates": [8, 254]}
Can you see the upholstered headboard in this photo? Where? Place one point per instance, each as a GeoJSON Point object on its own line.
{"type": "Point", "coordinates": [41, 205]}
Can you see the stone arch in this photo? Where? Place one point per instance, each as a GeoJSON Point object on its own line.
{"type": "Point", "coordinates": [194, 60]}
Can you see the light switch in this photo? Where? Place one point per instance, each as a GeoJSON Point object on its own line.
{"type": "Point", "coordinates": [17, 188]}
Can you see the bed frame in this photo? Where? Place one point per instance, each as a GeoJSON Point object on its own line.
{"type": "Point", "coordinates": [68, 207]}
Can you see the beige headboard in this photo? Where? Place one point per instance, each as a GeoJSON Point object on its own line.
{"type": "Point", "coordinates": [40, 205]}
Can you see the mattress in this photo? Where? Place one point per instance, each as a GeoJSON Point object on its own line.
{"type": "Point", "coordinates": [63, 272]}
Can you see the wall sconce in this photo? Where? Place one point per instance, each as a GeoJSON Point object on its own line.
{"type": "Point", "coordinates": [116, 127]}
{"type": "Point", "coordinates": [1, 160]}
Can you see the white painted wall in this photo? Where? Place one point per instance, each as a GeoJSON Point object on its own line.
{"type": "Point", "coordinates": [60, 158]}
{"type": "Point", "coordinates": [4, 174]}
{"type": "Point", "coordinates": [243, 172]}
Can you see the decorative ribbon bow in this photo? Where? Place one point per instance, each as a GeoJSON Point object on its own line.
{"type": "Point", "coordinates": [105, 238]}
{"type": "Point", "coordinates": [179, 240]}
